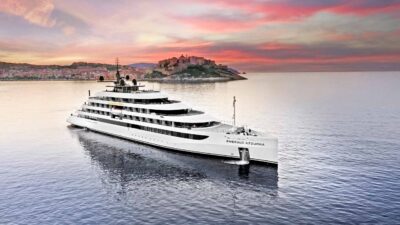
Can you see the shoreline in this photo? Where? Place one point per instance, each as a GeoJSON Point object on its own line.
{"type": "Point", "coordinates": [198, 80]}
{"type": "Point", "coordinates": [50, 80]}
{"type": "Point", "coordinates": [205, 80]}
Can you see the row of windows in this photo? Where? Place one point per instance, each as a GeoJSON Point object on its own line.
{"type": "Point", "coordinates": [154, 130]}
{"type": "Point", "coordinates": [154, 121]}
{"type": "Point", "coordinates": [130, 117]}
{"type": "Point", "coordinates": [140, 110]}
{"type": "Point", "coordinates": [137, 101]}
{"type": "Point", "coordinates": [97, 112]}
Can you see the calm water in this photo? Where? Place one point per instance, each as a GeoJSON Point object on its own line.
{"type": "Point", "coordinates": [339, 159]}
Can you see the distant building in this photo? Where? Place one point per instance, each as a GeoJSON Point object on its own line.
{"type": "Point", "coordinates": [174, 65]}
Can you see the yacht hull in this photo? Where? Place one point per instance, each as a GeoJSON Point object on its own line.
{"type": "Point", "coordinates": [261, 149]}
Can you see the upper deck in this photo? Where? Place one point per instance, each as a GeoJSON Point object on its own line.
{"type": "Point", "coordinates": [142, 94]}
{"type": "Point", "coordinates": [129, 90]}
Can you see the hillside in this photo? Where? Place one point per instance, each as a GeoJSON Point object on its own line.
{"type": "Point", "coordinates": [144, 65]}
{"type": "Point", "coordinates": [6, 65]}
{"type": "Point", "coordinates": [75, 71]}
{"type": "Point", "coordinates": [182, 69]}
{"type": "Point", "coordinates": [191, 69]}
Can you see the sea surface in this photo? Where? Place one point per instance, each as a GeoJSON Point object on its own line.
{"type": "Point", "coordinates": [339, 156]}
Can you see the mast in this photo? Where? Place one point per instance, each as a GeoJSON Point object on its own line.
{"type": "Point", "coordinates": [117, 75]}
{"type": "Point", "coordinates": [234, 111]}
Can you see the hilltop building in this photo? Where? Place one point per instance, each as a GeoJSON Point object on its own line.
{"type": "Point", "coordinates": [175, 65]}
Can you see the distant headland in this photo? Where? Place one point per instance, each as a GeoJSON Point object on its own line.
{"type": "Point", "coordinates": [191, 69]}
{"type": "Point", "coordinates": [182, 69]}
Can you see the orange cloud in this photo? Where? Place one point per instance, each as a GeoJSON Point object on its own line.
{"type": "Point", "coordinates": [68, 30]}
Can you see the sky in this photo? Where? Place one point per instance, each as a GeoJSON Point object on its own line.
{"type": "Point", "coordinates": [250, 35]}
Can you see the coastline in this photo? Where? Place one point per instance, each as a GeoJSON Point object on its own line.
{"type": "Point", "coordinates": [193, 80]}
{"type": "Point", "coordinates": [51, 80]}
{"type": "Point", "coordinates": [184, 80]}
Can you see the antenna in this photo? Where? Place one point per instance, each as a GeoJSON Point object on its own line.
{"type": "Point", "coordinates": [234, 111]}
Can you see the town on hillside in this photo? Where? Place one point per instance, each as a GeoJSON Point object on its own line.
{"type": "Point", "coordinates": [75, 71]}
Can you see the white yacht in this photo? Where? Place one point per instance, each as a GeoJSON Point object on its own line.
{"type": "Point", "coordinates": [150, 117]}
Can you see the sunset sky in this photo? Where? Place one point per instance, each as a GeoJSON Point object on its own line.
{"type": "Point", "coordinates": [251, 35]}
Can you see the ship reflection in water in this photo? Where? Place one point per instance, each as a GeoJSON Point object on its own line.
{"type": "Point", "coordinates": [129, 164]}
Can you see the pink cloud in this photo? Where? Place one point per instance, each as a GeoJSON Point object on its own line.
{"type": "Point", "coordinates": [362, 8]}
{"type": "Point", "coordinates": [35, 11]}
{"type": "Point", "coordinates": [279, 11]}
{"type": "Point", "coordinates": [217, 24]}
